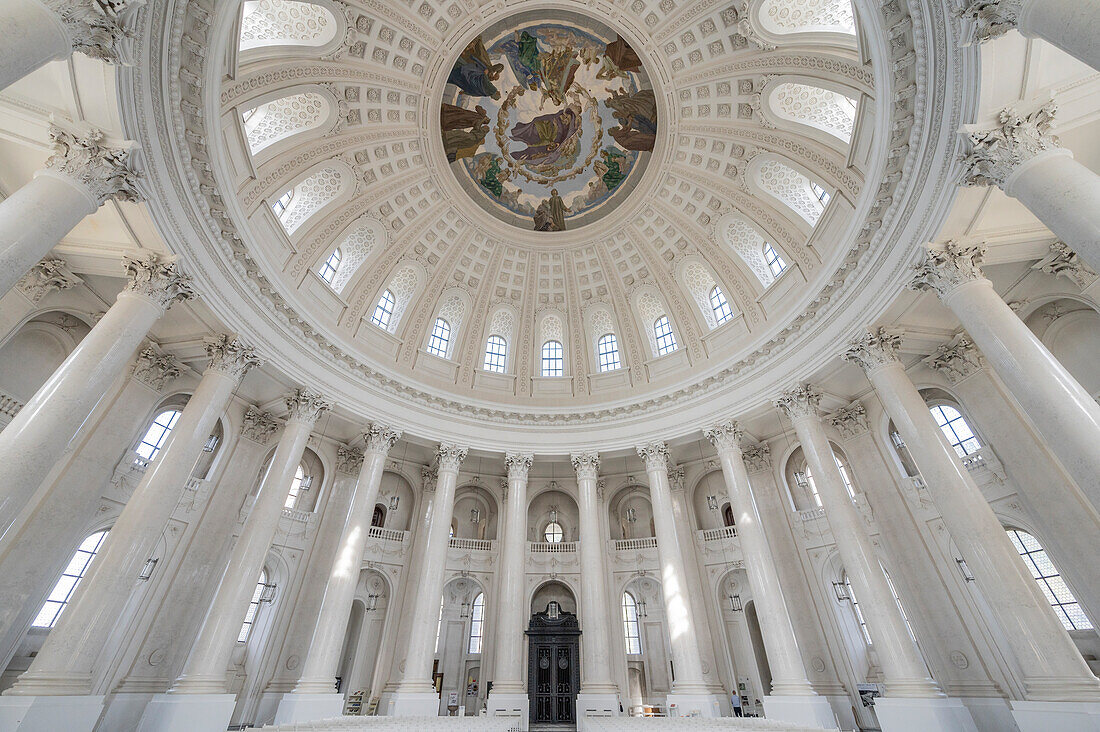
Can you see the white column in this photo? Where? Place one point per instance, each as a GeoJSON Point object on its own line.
{"type": "Point", "coordinates": [792, 698]}
{"type": "Point", "coordinates": [314, 696]}
{"type": "Point", "coordinates": [509, 694]}
{"type": "Point", "coordinates": [1051, 666]}
{"type": "Point", "coordinates": [598, 693]}
{"type": "Point", "coordinates": [1022, 157]}
{"type": "Point", "coordinates": [32, 443]}
{"type": "Point", "coordinates": [85, 170]}
{"type": "Point", "coordinates": [415, 694]}
{"type": "Point", "coordinates": [1059, 407]}
{"type": "Point", "coordinates": [903, 668]}
{"type": "Point", "coordinates": [197, 701]}
{"type": "Point", "coordinates": [1068, 24]}
{"type": "Point", "coordinates": [689, 689]}
{"type": "Point", "coordinates": [47, 30]}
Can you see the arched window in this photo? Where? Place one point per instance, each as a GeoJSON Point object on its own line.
{"type": "Point", "coordinates": [774, 261]}
{"type": "Point", "coordinates": [631, 632]}
{"type": "Point", "coordinates": [857, 610]}
{"type": "Point", "coordinates": [727, 515]}
{"type": "Point", "coordinates": [441, 336]}
{"type": "Point", "coordinates": [496, 354]}
{"type": "Point", "coordinates": [66, 585]}
{"type": "Point", "coordinates": [248, 114]}
{"type": "Point", "coordinates": [477, 620]}
{"type": "Point", "coordinates": [439, 623]}
{"type": "Point", "coordinates": [666, 341]}
{"type": "Point", "coordinates": [956, 429]}
{"type": "Point", "coordinates": [280, 206]}
{"type": "Point", "coordinates": [253, 608]}
{"type": "Point", "coordinates": [157, 434]}
{"type": "Point", "coordinates": [383, 310]}
{"type": "Point", "coordinates": [327, 270]}
{"type": "Point", "coordinates": [1050, 580]}
{"type": "Point", "coordinates": [718, 304]}
{"type": "Point", "coordinates": [379, 517]}
{"type": "Point", "coordinates": [608, 350]}
{"type": "Point", "coordinates": [843, 474]}
{"type": "Point", "coordinates": [553, 532]}
{"type": "Point", "coordinates": [821, 194]}
{"type": "Point", "coordinates": [295, 488]}
{"type": "Point", "coordinates": [553, 361]}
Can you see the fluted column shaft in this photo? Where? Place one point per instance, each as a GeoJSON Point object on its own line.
{"type": "Point", "coordinates": [1067, 24]}
{"type": "Point", "coordinates": [32, 443]}
{"type": "Point", "coordinates": [1051, 665]}
{"type": "Point", "coordinates": [903, 668]}
{"type": "Point", "coordinates": [674, 589]}
{"type": "Point", "coordinates": [1063, 412]}
{"type": "Point", "coordinates": [784, 656]}
{"type": "Point", "coordinates": [435, 527]}
{"type": "Point", "coordinates": [66, 662]}
{"type": "Point", "coordinates": [205, 670]}
{"type": "Point", "coordinates": [323, 659]}
{"type": "Point", "coordinates": [513, 612]}
{"type": "Point", "coordinates": [596, 658]}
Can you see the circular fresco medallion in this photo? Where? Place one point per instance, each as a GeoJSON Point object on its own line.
{"type": "Point", "coordinates": [548, 120]}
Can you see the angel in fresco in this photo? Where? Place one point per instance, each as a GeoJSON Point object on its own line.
{"type": "Point", "coordinates": [548, 136]}
{"type": "Point", "coordinates": [618, 60]}
{"type": "Point", "coordinates": [522, 52]}
{"type": "Point", "coordinates": [559, 68]}
{"type": "Point", "coordinates": [474, 72]}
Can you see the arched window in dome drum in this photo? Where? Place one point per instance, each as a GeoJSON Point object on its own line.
{"type": "Point", "coordinates": [553, 359]}
{"type": "Point", "coordinates": [666, 341]}
{"type": "Point", "coordinates": [1050, 580]}
{"type": "Point", "coordinates": [327, 271]}
{"type": "Point", "coordinates": [383, 311]}
{"type": "Point", "coordinates": [280, 206]}
{"type": "Point", "coordinates": [956, 429]}
{"type": "Point", "coordinates": [156, 436]}
{"type": "Point", "coordinates": [66, 585]}
{"type": "Point", "coordinates": [608, 350]}
{"type": "Point", "coordinates": [722, 311]}
{"type": "Point", "coordinates": [496, 354]}
{"type": "Point", "coordinates": [774, 261]}
{"type": "Point", "coordinates": [440, 338]}
{"type": "Point", "coordinates": [822, 195]}
{"type": "Point", "coordinates": [631, 630]}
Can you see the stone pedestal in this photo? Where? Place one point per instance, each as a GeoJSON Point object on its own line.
{"type": "Point", "coordinates": [923, 715]}
{"type": "Point", "coordinates": [188, 713]}
{"type": "Point", "coordinates": [50, 713]}
{"type": "Point", "coordinates": [1034, 716]}
{"type": "Point", "coordinates": [693, 705]}
{"type": "Point", "coordinates": [516, 705]}
{"type": "Point", "coordinates": [413, 704]}
{"type": "Point", "coordinates": [808, 711]}
{"type": "Point", "coordinates": [300, 707]}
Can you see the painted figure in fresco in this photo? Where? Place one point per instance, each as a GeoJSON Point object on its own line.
{"type": "Point", "coordinates": [458, 118]}
{"type": "Point", "coordinates": [522, 53]}
{"type": "Point", "coordinates": [613, 174]}
{"type": "Point", "coordinates": [543, 221]}
{"type": "Point", "coordinates": [618, 60]}
{"type": "Point", "coordinates": [474, 72]}
{"type": "Point", "coordinates": [638, 109]}
{"type": "Point", "coordinates": [461, 143]}
{"type": "Point", "coordinates": [491, 179]}
{"type": "Point", "coordinates": [631, 139]}
{"type": "Point", "coordinates": [559, 68]}
{"type": "Point", "coordinates": [548, 136]}
{"type": "Point", "coordinates": [558, 210]}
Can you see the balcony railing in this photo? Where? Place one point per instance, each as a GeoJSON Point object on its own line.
{"type": "Point", "coordinates": [811, 514]}
{"type": "Point", "coordinates": [623, 545]}
{"type": "Point", "coordinates": [726, 532]}
{"type": "Point", "coordinates": [480, 545]}
{"type": "Point", "coordinates": [551, 547]}
{"type": "Point", "coordinates": [295, 514]}
{"type": "Point", "coordinates": [377, 532]}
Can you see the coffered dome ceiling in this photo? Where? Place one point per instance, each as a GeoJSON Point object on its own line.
{"type": "Point", "coordinates": [728, 189]}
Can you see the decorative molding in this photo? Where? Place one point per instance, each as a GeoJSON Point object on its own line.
{"type": "Point", "coordinates": [229, 355]}
{"type": "Point", "coordinates": [154, 368]}
{"type": "Point", "coordinates": [874, 349]}
{"type": "Point", "coordinates": [101, 168]}
{"type": "Point", "coordinates": [1061, 260]}
{"type": "Point", "coordinates": [258, 426]}
{"type": "Point", "coordinates": [996, 154]}
{"type": "Point", "coordinates": [676, 477]}
{"type": "Point", "coordinates": [101, 29]}
{"type": "Point", "coordinates": [800, 402]}
{"type": "Point", "coordinates": [429, 477]}
{"type": "Point", "coordinates": [587, 465]}
{"type": "Point", "coordinates": [50, 275]}
{"type": "Point", "coordinates": [306, 405]}
{"type": "Point", "coordinates": [758, 458]}
{"type": "Point", "coordinates": [948, 267]}
{"type": "Point", "coordinates": [157, 277]}
{"type": "Point", "coordinates": [991, 18]}
{"type": "Point", "coordinates": [379, 439]}
{"type": "Point", "coordinates": [655, 456]}
{"type": "Point", "coordinates": [725, 436]}
{"type": "Point", "coordinates": [450, 456]}
{"type": "Point", "coordinates": [957, 359]}
{"type": "Point", "coordinates": [518, 465]}
{"type": "Point", "coordinates": [850, 421]}
{"type": "Point", "coordinates": [349, 461]}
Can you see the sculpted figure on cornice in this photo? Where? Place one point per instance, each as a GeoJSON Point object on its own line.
{"type": "Point", "coordinates": [992, 18]}
{"type": "Point", "coordinates": [52, 274]}
{"type": "Point", "coordinates": [349, 461]}
{"type": "Point", "coordinates": [258, 426]}
{"type": "Point", "coordinates": [850, 421]}
{"type": "Point", "coordinates": [758, 458]}
{"type": "Point", "coordinates": [956, 360]}
{"type": "Point", "coordinates": [154, 368]}
{"type": "Point", "coordinates": [1063, 261]}
{"type": "Point", "coordinates": [102, 168]}
{"type": "Point", "coordinates": [997, 153]}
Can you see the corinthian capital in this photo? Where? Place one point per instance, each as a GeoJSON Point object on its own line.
{"type": "Point", "coordinates": [157, 277]}
{"type": "Point", "coordinates": [997, 153]}
{"type": "Point", "coordinates": [956, 360]}
{"type": "Point", "coordinates": [231, 356]}
{"type": "Point", "coordinates": [154, 368]}
{"type": "Point", "coordinates": [800, 401]}
{"type": "Point", "coordinates": [306, 405]}
{"type": "Point", "coordinates": [85, 156]}
{"type": "Point", "coordinates": [725, 435]}
{"type": "Point", "coordinates": [850, 421]}
{"type": "Point", "coordinates": [655, 456]}
{"type": "Point", "coordinates": [379, 438]}
{"type": "Point", "coordinates": [874, 349]}
{"type": "Point", "coordinates": [992, 18]}
{"type": "Point", "coordinates": [102, 29]}
{"type": "Point", "coordinates": [518, 464]}
{"type": "Point", "coordinates": [450, 456]}
{"type": "Point", "coordinates": [49, 275]}
{"type": "Point", "coordinates": [945, 269]}
{"type": "Point", "coordinates": [758, 458]}
{"type": "Point", "coordinates": [587, 465]}
{"type": "Point", "coordinates": [1063, 261]}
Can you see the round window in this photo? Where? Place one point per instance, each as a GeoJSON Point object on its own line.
{"type": "Point", "coordinates": [553, 532]}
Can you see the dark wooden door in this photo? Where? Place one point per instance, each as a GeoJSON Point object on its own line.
{"type": "Point", "coordinates": [553, 674]}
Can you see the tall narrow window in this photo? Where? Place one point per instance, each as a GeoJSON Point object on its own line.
{"type": "Point", "coordinates": [901, 608]}
{"type": "Point", "coordinates": [280, 206]}
{"type": "Point", "coordinates": [631, 631]}
{"type": "Point", "coordinates": [666, 341]}
{"type": "Point", "coordinates": [295, 488]}
{"type": "Point", "coordinates": [66, 585]}
{"type": "Point", "coordinates": [774, 261]}
{"type": "Point", "coordinates": [553, 361]}
{"type": "Point", "coordinates": [439, 623]}
{"type": "Point", "coordinates": [1050, 580]}
{"type": "Point", "coordinates": [477, 620]}
{"type": "Point", "coordinates": [327, 271]}
{"type": "Point", "coordinates": [383, 311]}
{"type": "Point", "coordinates": [441, 336]}
{"type": "Point", "coordinates": [253, 608]}
{"type": "Point", "coordinates": [496, 354]}
{"type": "Point", "coordinates": [843, 475]}
{"type": "Point", "coordinates": [857, 610]}
{"type": "Point", "coordinates": [608, 350]}
{"type": "Point", "coordinates": [718, 304]}
{"type": "Point", "coordinates": [956, 429]}
{"type": "Point", "coordinates": [157, 434]}
{"type": "Point", "coordinates": [820, 193]}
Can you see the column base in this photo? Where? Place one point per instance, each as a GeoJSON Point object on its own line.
{"type": "Point", "coordinates": [596, 704]}
{"type": "Point", "coordinates": [909, 714]}
{"type": "Point", "coordinates": [50, 713]}
{"type": "Point", "coordinates": [1032, 716]}
{"type": "Point", "coordinates": [188, 713]}
{"type": "Point", "coordinates": [517, 706]}
{"type": "Point", "coordinates": [413, 704]}
{"type": "Point", "coordinates": [303, 707]}
{"type": "Point", "coordinates": [991, 714]}
{"type": "Point", "coordinates": [693, 705]}
{"type": "Point", "coordinates": [807, 711]}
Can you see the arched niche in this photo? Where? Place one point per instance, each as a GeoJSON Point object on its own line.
{"type": "Point", "coordinates": [713, 484]}
{"type": "Point", "coordinates": [475, 513]}
{"type": "Point", "coordinates": [36, 350]}
{"type": "Point", "coordinates": [553, 591]}
{"type": "Point", "coordinates": [652, 665]}
{"type": "Point", "coordinates": [796, 474]}
{"type": "Point", "coordinates": [312, 467]}
{"type": "Point", "coordinates": [365, 630]}
{"type": "Point", "coordinates": [1070, 329]}
{"type": "Point", "coordinates": [397, 500]}
{"type": "Point", "coordinates": [552, 504]}
{"type": "Point", "coordinates": [630, 513]}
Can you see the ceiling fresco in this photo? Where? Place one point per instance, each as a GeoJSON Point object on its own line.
{"type": "Point", "coordinates": [548, 122]}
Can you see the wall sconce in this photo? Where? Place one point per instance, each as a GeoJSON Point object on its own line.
{"type": "Point", "coordinates": [211, 443]}
{"type": "Point", "coordinates": [735, 603]}
{"type": "Point", "coordinates": [641, 609]}
{"type": "Point", "coordinates": [475, 516]}
{"type": "Point", "coordinates": [394, 501]}
{"type": "Point", "coordinates": [553, 515]}
{"type": "Point", "coordinates": [841, 591]}
{"type": "Point", "coordinates": [631, 515]}
{"type": "Point", "coordinates": [801, 480]}
{"type": "Point", "coordinates": [966, 573]}
{"type": "Point", "coordinates": [465, 610]}
{"type": "Point", "coordinates": [147, 570]}
{"type": "Point", "coordinates": [712, 503]}
{"type": "Point", "coordinates": [371, 604]}
{"type": "Point", "coordinates": [267, 594]}
{"type": "Point", "coordinates": [307, 481]}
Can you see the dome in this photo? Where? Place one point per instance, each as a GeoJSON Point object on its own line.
{"type": "Point", "coordinates": [335, 194]}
